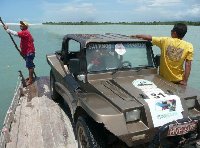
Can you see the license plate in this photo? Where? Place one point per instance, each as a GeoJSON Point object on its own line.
{"type": "Point", "coordinates": [182, 128]}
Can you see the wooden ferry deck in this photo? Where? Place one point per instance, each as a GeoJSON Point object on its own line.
{"type": "Point", "coordinates": [35, 121]}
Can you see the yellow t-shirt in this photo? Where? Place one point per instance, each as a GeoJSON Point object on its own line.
{"type": "Point", "coordinates": [173, 54]}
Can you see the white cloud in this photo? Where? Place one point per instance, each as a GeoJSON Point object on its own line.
{"type": "Point", "coordinates": [68, 11]}
{"type": "Point", "coordinates": [143, 9]}
{"type": "Point", "coordinates": [191, 13]}
{"type": "Point", "coordinates": [127, 10]}
{"type": "Point", "coordinates": [169, 10]}
{"type": "Point", "coordinates": [158, 3]}
{"type": "Point", "coordinates": [154, 3]}
{"type": "Point", "coordinates": [86, 8]}
{"type": "Point", "coordinates": [195, 10]}
{"type": "Point", "coordinates": [125, 1]}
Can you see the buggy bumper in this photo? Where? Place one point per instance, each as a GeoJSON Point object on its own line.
{"type": "Point", "coordinates": [178, 133]}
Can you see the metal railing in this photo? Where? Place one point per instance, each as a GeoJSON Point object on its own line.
{"type": "Point", "coordinates": [9, 118]}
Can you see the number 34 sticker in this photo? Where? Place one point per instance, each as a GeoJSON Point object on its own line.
{"type": "Point", "coordinates": [155, 94]}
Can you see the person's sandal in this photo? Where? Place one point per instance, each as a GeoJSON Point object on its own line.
{"type": "Point", "coordinates": [28, 83]}
{"type": "Point", "coordinates": [26, 79]}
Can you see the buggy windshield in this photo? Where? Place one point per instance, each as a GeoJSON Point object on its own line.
{"type": "Point", "coordinates": [109, 56]}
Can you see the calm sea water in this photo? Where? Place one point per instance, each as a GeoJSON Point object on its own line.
{"type": "Point", "coordinates": [49, 38]}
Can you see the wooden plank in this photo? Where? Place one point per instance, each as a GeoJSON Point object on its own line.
{"type": "Point", "coordinates": [58, 127]}
{"type": "Point", "coordinates": [35, 137]}
{"type": "Point", "coordinates": [32, 91]}
{"type": "Point", "coordinates": [22, 137]}
{"type": "Point", "coordinates": [42, 83]}
{"type": "Point", "coordinates": [5, 136]}
{"type": "Point", "coordinates": [70, 137]}
{"type": "Point", "coordinates": [14, 129]}
{"type": "Point", "coordinates": [40, 122]}
{"type": "Point", "coordinates": [34, 129]}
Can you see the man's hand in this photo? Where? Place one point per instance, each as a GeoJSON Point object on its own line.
{"type": "Point", "coordinates": [133, 36]}
{"type": "Point", "coordinates": [5, 27]}
{"type": "Point", "coordinates": [183, 83]}
{"type": "Point", "coordinates": [142, 36]}
{"type": "Point", "coordinates": [23, 56]}
{"type": "Point", "coordinates": [188, 64]}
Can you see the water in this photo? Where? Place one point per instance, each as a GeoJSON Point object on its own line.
{"type": "Point", "coordinates": [49, 38]}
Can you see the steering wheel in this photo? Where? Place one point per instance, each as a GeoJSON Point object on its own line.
{"type": "Point", "coordinates": [126, 64]}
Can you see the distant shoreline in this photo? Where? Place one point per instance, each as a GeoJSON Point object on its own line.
{"type": "Point", "coordinates": [121, 23]}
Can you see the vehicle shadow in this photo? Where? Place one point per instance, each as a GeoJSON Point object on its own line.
{"type": "Point", "coordinates": [64, 106]}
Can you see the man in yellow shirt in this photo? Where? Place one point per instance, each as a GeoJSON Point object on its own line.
{"type": "Point", "coordinates": [175, 52]}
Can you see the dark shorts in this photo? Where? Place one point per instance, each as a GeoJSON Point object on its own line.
{"type": "Point", "coordinates": [29, 60]}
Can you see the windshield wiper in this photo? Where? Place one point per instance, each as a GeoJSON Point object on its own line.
{"type": "Point", "coordinates": [143, 67]}
{"type": "Point", "coordinates": [97, 71]}
{"type": "Point", "coordinates": [119, 68]}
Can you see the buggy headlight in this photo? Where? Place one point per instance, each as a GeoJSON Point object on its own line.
{"type": "Point", "coordinates": [132, 115]}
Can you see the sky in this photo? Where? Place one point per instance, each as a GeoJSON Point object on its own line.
{"type": "Point", "coordinates": [39, 11]}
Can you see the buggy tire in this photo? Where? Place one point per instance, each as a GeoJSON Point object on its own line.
{"type": "Point", "coordinates": [54, 94]}
{"type": "Point", "coordinates": [88, 135]}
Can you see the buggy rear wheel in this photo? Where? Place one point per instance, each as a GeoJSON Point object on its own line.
{"type": "Point", "coordinates": [54, 94]}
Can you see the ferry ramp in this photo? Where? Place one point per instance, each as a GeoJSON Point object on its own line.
{"type": "Point", "coordinates": [34, 120]}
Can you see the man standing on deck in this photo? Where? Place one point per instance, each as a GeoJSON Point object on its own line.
{"type": "Point", "coordinates": [27, 47]}
{"type": "Point", "coordinates": [174, 53]}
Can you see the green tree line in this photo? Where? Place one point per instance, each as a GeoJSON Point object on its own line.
{"type": "Point", "coordinates": [122, 23]}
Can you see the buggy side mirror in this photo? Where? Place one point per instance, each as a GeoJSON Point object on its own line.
{"type": "Point", "coordinates": [157, 60]}
{"type": "Point", "coordinates": [74, 66]}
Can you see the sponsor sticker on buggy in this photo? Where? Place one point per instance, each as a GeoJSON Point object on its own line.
{"type": "Point", "coordinates": [120, 49]}
{"type": "Point", "coordinates": [143, 84]}
{"type": "Point", "coordinates": [182, 128]}
{"type": "Point", "coordinates": [164, 108]}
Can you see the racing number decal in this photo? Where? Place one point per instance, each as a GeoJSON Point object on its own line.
{"type": "Point", "coordinates": [157, 96]}
{"type": "Point", "coordinates": [164, 108]}
{"type": "Point", "coordinates": [149, 88]}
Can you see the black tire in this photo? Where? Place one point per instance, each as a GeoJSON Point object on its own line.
{"type": "Point", "coordinates": [54, 94]}
{"type": "Point", "coordinates": [88, 135]}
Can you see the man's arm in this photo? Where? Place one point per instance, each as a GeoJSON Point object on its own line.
{"type": "Point", "coordinates": [188, 65]}
{"type": "Point", "coordinates": [10, 31]}
{"type": "Point", "coordinates": [142, 36]}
